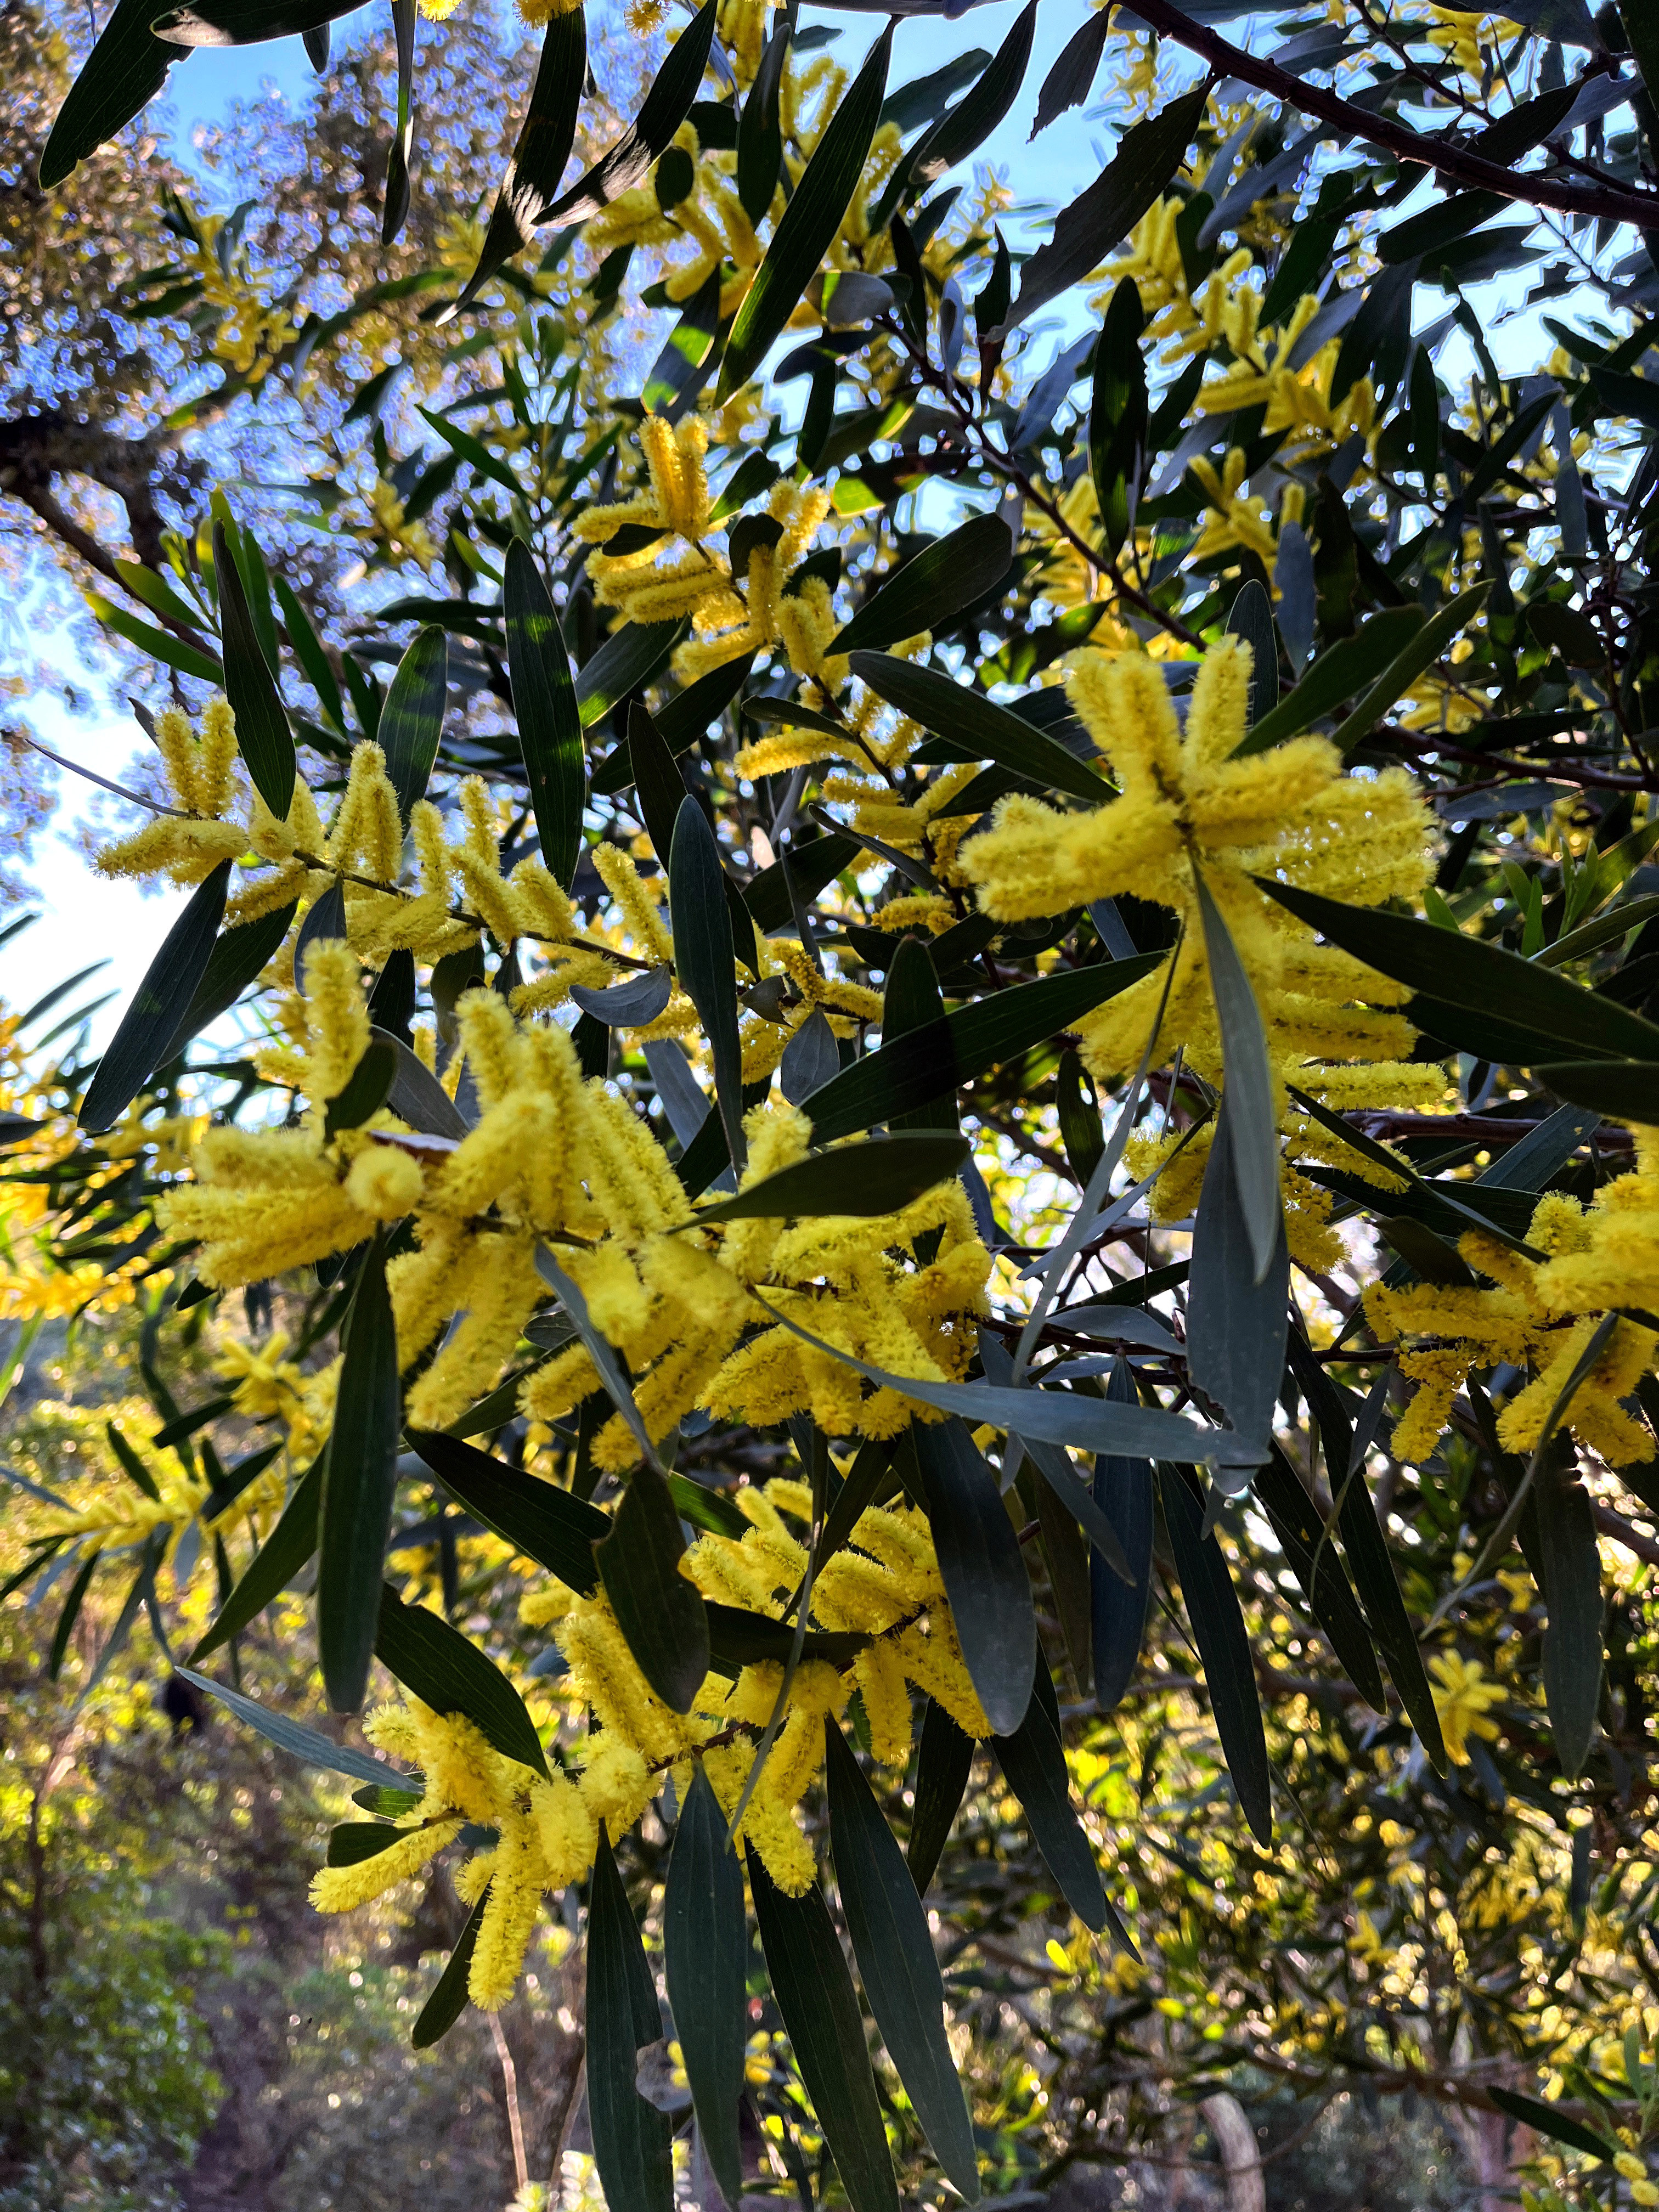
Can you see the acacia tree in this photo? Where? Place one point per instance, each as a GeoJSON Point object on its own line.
{"type": "Point", "coordinates": [1099, 883]}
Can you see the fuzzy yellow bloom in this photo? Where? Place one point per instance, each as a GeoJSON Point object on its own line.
{"type": "Point", "coordinates": [1463, 1693]}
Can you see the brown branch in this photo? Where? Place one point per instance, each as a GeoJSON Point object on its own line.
{"type": "Point", "coordinates": [1458, 164]}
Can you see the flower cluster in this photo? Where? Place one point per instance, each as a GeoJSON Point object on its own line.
{"type": "Point", "coordinates": [1187, 807]}
{"type": "Point", "coordinates": [1543, 1313]}
{"type": "Point", "coordinates": [885, 1589]}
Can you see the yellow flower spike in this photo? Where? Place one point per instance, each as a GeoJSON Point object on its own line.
{"type": "Point", "coordinates": [518, 1877]}
{"type": "Point", "coordinates": [642, 917]}
{"type": "Point", "coordinates": [503, 1292]}
{"type": "Point", "coordinates": [344, 1888]}
{"type": "Point", "coordinates": [568, 1831]}
{"type": "Point", "coordinates": [880, 1676]}
{"type": "Point", "coordinates": [1462, 1694]}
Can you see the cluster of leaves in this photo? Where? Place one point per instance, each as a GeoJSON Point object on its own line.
{"type": "Point", "coordinates": [1450, 570]}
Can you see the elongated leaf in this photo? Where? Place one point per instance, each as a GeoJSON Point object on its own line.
{"type": "Point", "coordinates": [263, 736]}
{"type": "Point", "coordinates": [660, 1613]}
{"type": "Point", "coordinates": [1058, 1417]}
{"type": "Point", "coordinates": [1148, 156]}
{"type": "Point", "coordinates": [238, 957]}
{"type": "Point", "coordinates": [966, 127]}
{"type": "Point", "coordinates": [929, 1063]}
{"type": "Point", "coordinates": [159, 1007]}
{"type": "Point", "coordinates": [1247, 1108]}
{"type": "Point", "coordinates": [895, 1962]}
{"type": "Point", "coordinates": [1425, 647]}
{"type": "Point", "coordinates": [1123, 1492]}
{"type": "Point", "coordinates": [810, 1059]}
{"type": "Point", "coordinates": [738, 1640]}
{"type": "Point", "coordinates": [1236, 1324]}
{"type": "Point", "coordinates": [1033, 1759]}
{"type": "Point", "coordinates": [813, 217]}
{"type": "Point", "coordinates": [963, 714]}
{"type": "Point", "coordinates": [911, 1001]}
{"type": "Point", "coordinates": [159, 644]}
{"type": "Point", "coordinates": [632, 2140]}
{"type": "Point", "coordinates": [1067, 84]}
{"type": "Point", "coordinates": [1224, 1647]}
{"type": "Point", "coordinates": [705, 1940]}
{"type": "Point", "coordinates": [703, 958]}
{"type": "Point", "coordinates": [630, 657]}
{"type": "Point", "coordinates": [627, 1005]}
{"type": "Point", "coordinates": [760, 137]}
{"type": "Point", "coordinates": [127, 67]}
{"type": "Point", "coordinates": [448, 2001]}
{"type": "Point", "coordinates": [983, 1567]}
{"type": "Point", "coordinates": [308, 1745]}
{"type": "Point", "coordinates": [665, 107]}
{"type": "Point", "coordinates": [1378, 1591]}
{"type": "Point", "coordinates": [412, 717]}
{"type": "Point", "coordinates": [878, 1175]}
{"type": "Point", "coordinates": [1573, 1635]}
{"type": "Point", "coordinates": [365, 1092]}
{"type": "Point", "coordinates": [1118, 413]}
{"type": "Point", "coordinates": [1549, 2120]}
{"type": "Point", "coordinates": [821, 2014]}
{"type": "Point", "coordinates": [605, 1360]}
{"type": "Point", "coordinates": [358, 1488]}
{"type": "Point", "coordinates": [448, 1672]}
{"type": "Point", "coordinates": [68, 1617]}
{"type": "Point", "coordinates": [544, 1522]}
{"type": "Point", "coordinates": [416, 1095]}
{"type": "Point", "coordinates": [544, 705]}
{"type": "Point", "coordinates": [545, 138]}
{"type": "Point", "coordinates": [354, 1842]}
{"type": "Point", "coordinates": [1488, 981]}
{"type": "Point", "coordinates": [954, 572]}
{"type": "Point", "coordinates": [1347, 667]}
{"type": "Point", "coordinates": [1628, 1090]}
{"type": "Point", "coordinates": [1251, 618]}
{"type": "Point", "coordinates": [273, 1567]}
{"type": "Point", "coordinates": [394, 208]}
{"type": "Point", "coordinates": [1313, 1560]}
{"type": "Point", "coordinates": [244, 23]}
{"type": "Point", "coordinates": [325, 919]}
{"type": "Point", "coordinates": [943, 1762]}
{"type": "Point", "coordinates": [658, 784]}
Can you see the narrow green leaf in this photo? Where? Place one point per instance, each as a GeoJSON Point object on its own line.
{"type": "Point", "coordinates": [705, 1940]}
{"type": "Point", "coordinates": [660, 1613]}
{"type": "Point", "coordinates": [1484, 979]}
{"type": "Point", "coordinates": [965, 127]}
{"type": "Point", "coordinates": [136, 1472]}
{"type": "Point", "coordinates": [354, 1842]}
{"type": "Point", "coordinates": [358, 1488]}
{"type": "Point", "coordinates": [366, 1090]}
{"type": "Point", "coordinates": [760, 145]}
{"type": "Point", "coordinates": [1550, 2120]}
{"type": "Point", "coordinates": [273, 1567]}
{"type": "Point", "coordinates": [857, 1180]}
{"type": "Point", "coordinates": [449, 1672]}
{"type": "Point", "coordinates": [703, 958]}
{"type": "Point", "coordinates": [127, 67]}
{"type": "Point", "coordinates": [1345, 668]}
{"type": "Point", "coordinates": [244, 23]}
{"type": "Point", "coordinates": [1573, 1635]}
{"type": "Point", "coordinates": [1084, 233]}
{"type": "Point", "coordinates": [263, 736]}
{"type": "Point", "coordinates": [665, 107]}
{"type": "Point", "coordinates": [307, 648]}
{"type": "Point", "coordinates": [814, 216]}
{"type": "Point", "coordinates": [159, 1006]}
{"type": "Point", "coordinates": [1236, 1320]}
{"type": "Point", "coordinates": [448, 2001]}
{"type": "Point", "coordinates": [545, 138]}
{"type": "Point", "coordinates": [1248, 1111]}
{"type": "Point", "coordinates": [895, 1962]}
{"type": "Point", "coordinates": [1425, 647]}
{"type": "Point", "coordinates": [1033, 1759]}
{"type": "Point", "coordinates": [160, 645]}
{"type": "Point", "coordinates": [738, 1640]}
{"type": "Point", "coordinates": [952, 574]}
{"type": "Point", "coordinates": [326, 919]}
{"type": "Point", "coordinates": [238, 958]}
{"type": "Point", "coordinates": [1626, 1089]}
{"type": "Point", "coordinates": [1378, 1592]}
{"type": "Point", "coordinates": [307, 1745]}
{"type": "Point", "coordinates": [632, 2140]}
{"type": "Point", "coordinates": [943, 1762]}
{"type": "Point", "coordinates": [416, 1095]}
{"type": "Point", "coordinates": [1251, 618]}
{"type": "Point", "coordinates": [930, 1063]}
{"type": "Point", "coordinates": [1224, 1647]}
{"type": "Point", "coordinates": [544, 705]}
{"type": "Point", "coordinates": [984, 1569]}
{"type": "Point", "coordinates": [962, 713]}
{"type": "Point", "coordinates": [658, 784]}
{"type": "Point", "coordinates": [69, 1616]}
{"type": "Point", "coordinates": [544, 1522]}
{"type": "Point", "coordinates": [1123, 1492]}
{"type": "Point", "coordinates": [912, 1000]}
{"type": "Point", "coordinates": [1313, 1560]}
{"type": "Point", "coordinates": [1118, 413]}
{"type": "Point", "coordinates": [412, 719]}
{"type": "Point", "coordinates": [815, 1995]}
